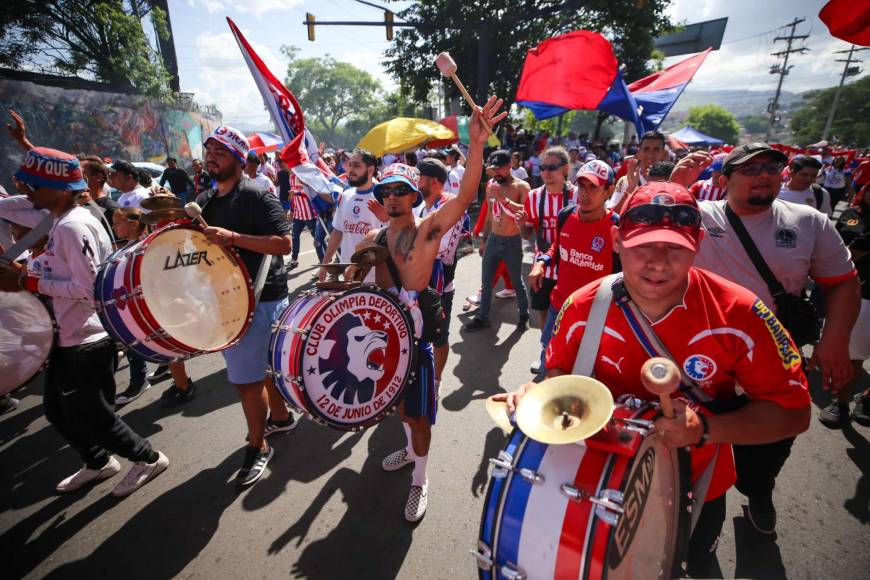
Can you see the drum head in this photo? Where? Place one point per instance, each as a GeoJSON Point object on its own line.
{"type": "Point", "coordinates": [26, 338]}
{"type": "Point", "coordinates": [195, 290]}
{"type": "Point", "coordinates": [652, 532]}
{"type": "Point", "coordinates": [357, 358]}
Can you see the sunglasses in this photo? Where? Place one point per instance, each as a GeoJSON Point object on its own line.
{"type": "Point", "coordinates": [23, 185]}
{"type": "Point", "coordinates": [773, 168]}
{"type": "Point", "coordinates": [397, 191]}
{"type": "Point", "coordinates": [654, 214]}
{"type": "Point", "coordinates": [551, 167]}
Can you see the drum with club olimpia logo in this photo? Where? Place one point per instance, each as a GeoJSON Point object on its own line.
{"type": "Point", "coordinates": [343, 358]}
{"type": "Point", "coordinates": [615, 505]}
{"type": "Point", "coordinates": [174, 295]}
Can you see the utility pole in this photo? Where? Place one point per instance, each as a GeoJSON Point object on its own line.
{"type": "Point", "coordinates": [782, 70]}
{"type": "Point", "coordinates": [848, 71]}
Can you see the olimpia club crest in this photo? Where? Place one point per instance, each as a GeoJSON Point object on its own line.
{"type": "Point", "coordinates": [357, 357]}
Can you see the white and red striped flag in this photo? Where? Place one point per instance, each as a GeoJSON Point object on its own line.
{"type": "Point", "coordinates": [300, 152]}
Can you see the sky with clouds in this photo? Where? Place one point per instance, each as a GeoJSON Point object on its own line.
{"type": "Point", "coordinates": [211, 66]}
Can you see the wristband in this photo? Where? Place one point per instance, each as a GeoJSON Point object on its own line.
{"type": "Point", "coordinates": [544, 258]}
{"type": "Point", "coordinates": [706, 433]}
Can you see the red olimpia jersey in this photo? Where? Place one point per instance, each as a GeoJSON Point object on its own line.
{"type": "Point", "coordinates": [721, 336]}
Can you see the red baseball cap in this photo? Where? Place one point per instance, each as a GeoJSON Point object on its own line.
{"type": "Point", "coordinates": [664, 194]}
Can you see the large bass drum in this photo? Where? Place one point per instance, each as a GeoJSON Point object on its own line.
{"type": "Point", "coordinates": [613, 506]}
{"type": "Point", "coordinates": [27, 335]}
{"type": "Point", "coordinates": [174, 295]}
{"type": "Point", "coordinates": [343, 358]}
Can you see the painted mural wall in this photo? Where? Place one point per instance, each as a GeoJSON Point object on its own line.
{"type": "Point", "coordinates": [98, 123]}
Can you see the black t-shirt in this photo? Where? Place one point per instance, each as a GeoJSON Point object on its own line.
{"type": "Point", "coordinates": [179, 181]}
{"type": "Point", "coordinates": [250, 209]}
{"type": "Point", "coordinates": [284, 186]}
{"type": "Point", "coordinates": [202, 181]}
{"type": "Point", "coordinates": [854, 228]}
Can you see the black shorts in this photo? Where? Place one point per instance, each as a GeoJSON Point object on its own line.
{"type": "Point", "coordinates": [447, 307]}
{"type": "Point", "coordinates": [540, 300]}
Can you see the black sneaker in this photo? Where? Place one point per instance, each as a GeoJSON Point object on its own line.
{"type": "Point", "coordinates": [8, 403]}
{"type": "Point", "coordinates": [523, 322]}
{"type": "Point", "coordinates": [175, 396]}
{"type": "Point", "coordinates": [861, 410]}
{"type": "Point", "coordinates": [254, 465]}
{"type": "Point", "coordinates": [477, 324]}
{"type": "Point", "coordinates": [160, 374]}
{"type": "Point", "coordinates": [293, 264]}
{"type": "Point", "coordinates": [273, 427]}
{"type": "Point", "coordinates": [132, 393]}
{"type": "Point", "coordinates": [762, 514]}
{"type": "Point", "coordinates": [835, 415]}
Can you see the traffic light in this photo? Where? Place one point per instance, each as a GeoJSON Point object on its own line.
{"type": "Point", "coordinates": [309, 21]}
{"type": "Point", "coordinates": [388, 20]}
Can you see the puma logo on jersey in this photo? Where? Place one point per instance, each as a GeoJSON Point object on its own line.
{"type": "Point", "coordinates": [608, 360]}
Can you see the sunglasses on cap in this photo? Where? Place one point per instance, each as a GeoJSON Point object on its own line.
{"type": "Point", "coordinates": [551, 166]}
{"type": "Point", "coordinates": [397, 190]}
{"type": "Point", "coordinates": [654, 214]}
{"type": "Point", "coordinates": [753, 169]}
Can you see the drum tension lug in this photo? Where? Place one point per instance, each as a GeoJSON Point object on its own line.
{"type": "Point", "coordinates": [512, 572]}
{"type": "Point", "coordinates": [503, 464]}
{"type": "Point", "coordinates": [483, 555]}
{"type": "Point", "coordinates": [608, 503]}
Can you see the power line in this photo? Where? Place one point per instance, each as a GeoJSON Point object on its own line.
{"type": "Point", "coordinates": [848, 71]}
{"type": "Point", "coordinates": [782, 69]}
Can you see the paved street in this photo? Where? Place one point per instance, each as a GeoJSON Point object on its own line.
{"type": "Point", "coordinates": [326, 509]}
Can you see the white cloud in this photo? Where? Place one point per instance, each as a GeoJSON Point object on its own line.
{"type": "Point", "coordinates": [224, 78]}
{"type": "Point", "coordinates": [256, 7]}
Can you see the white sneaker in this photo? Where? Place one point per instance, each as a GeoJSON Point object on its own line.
{"type": "Point", "coordinates": [418, 498]}
{"type": "Point", "coordinates": [140, 474]}
{"type": "Point", "coordinates": [396, 460]}
{"type": "Point", "coordinates": [506, 293]}
{"type": "Point", "coordinates": [84, 476]}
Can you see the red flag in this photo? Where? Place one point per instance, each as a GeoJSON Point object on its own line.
{"type": "Point", "coordinates": [848, 20]}
{"type": "Point", "coordinates": [673, 76]}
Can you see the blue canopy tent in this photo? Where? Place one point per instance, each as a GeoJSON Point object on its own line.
{"type": "Point", "coordinates": [691, 136]}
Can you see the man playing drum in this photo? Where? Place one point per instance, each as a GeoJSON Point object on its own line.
{"type": "Point", "coordinates": [243, 215]}
{"type": "Point", "coordinates": [717, 332]}
{"type": "Point", "coordinates": [413, 246]}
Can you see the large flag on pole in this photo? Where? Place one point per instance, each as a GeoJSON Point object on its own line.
{"type": "Point", "coordinates": [300, 152]}
{"type": "Point", "coordinates": [657, 93]}
{"type": "Point", "coordinates": [577, 70]}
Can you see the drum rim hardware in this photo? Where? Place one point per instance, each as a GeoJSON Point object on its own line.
{"type": "Point", "coordinates": [608, 502]}
{"type": "Point", "coordinates": [503, 464]}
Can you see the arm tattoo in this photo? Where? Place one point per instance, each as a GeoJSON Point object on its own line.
{"type": "Point", "coordinates": [405, 242]}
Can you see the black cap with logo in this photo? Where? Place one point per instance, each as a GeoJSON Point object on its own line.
{"type": "Point", "coordinates": [743, 153]}
{"type": "Point", "coordinates": [499, 158]}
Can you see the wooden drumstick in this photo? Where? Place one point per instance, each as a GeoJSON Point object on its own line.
{"type": "Point", "coordinates": [661, 377]}
{"type": "Point", "coordinates": [193, 210]}
{"type": "Point", "coordinates": [447, 66]}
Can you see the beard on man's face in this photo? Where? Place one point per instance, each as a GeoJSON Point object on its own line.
{"type": "Point", "coordinates": [764, 200]}
{"type": "Point", "coordinates": [357, 181]}
{"type": "Point", "coordinates": [501, 179]}
{"type": "Point", "coordinates": [216, 173]}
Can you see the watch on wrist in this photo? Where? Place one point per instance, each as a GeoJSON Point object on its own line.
{"type": "Point", "coordinates": [706, 434]}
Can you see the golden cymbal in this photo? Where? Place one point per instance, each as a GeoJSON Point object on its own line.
{"type": "Point", "coordinates": [564, 409]}
{"type": "Point", "coordinates": [162, 215]}
{"type": "Point", "coordinates": [371, 256]}
{"type": "Point", "coordinates": [159, 202]}
{"type": "Point", "coordinates": [498, 412]}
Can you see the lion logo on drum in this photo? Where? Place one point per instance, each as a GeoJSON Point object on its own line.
{"type": "Point", "coordinates": [352, 359]}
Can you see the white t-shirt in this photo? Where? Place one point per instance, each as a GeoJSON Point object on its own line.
{"type": "Point", "coordinates": [796, 241]}
{"type": "Point", "coordinates": [133, 198]}
{"type": "Point", "coordinates": [619, 191]}
{"type": "Point", "coordinates": [807, 197]}
{"type": "Point", "coordinates": [264, 182]}
{"type": "Point", "coordinates": [77, 245]}
{"type": "Point", "coordinates": [354, 219]}
{"type": "Point", "coordinates": [834, 179]}
{"type": "Point", "coordinates": [454, 178]}
{"type": "Point", "coordinates": [520, 173]}
{"type": "Point", "coordinates": [535, 166]}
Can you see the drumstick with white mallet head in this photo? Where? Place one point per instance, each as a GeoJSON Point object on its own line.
{"type": "Point", "coordinates": [661, 377]}
{"type": "Point", "coordinates": [193, 210]}
{"type": "Point", "coordinates": [447, 66]}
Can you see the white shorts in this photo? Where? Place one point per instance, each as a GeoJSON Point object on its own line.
{"type": "Point", "coordinates": [859, 342]}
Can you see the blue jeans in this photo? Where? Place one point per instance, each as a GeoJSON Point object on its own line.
{"type": "Point", "coordinates": [509, 249]}
{"type": "Point", "coordinates": [547, 334]}
{"type": "Point", "coordinates": [298, 226]}
{"type": "Point", "coordinates": [320, 234]}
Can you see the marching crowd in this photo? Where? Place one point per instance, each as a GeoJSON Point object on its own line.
{"type": "Point", "coordinates": [729, 261]}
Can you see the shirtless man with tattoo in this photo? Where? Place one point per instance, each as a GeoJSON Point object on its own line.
{"type": "Point", "coordinates": [501, 238]}
{"type": "Point", "coordinates": [413, 244]}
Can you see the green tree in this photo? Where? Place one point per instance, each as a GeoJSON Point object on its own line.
{"type": "Point", "coordinates": [331, 93]}
{"type": "Point", "coordinates": [852, 121]}
{"type": "Point", "coordinates": [715, 121]}
{"type": "Point", "coordinates": [755, 123]}
{"type": "Point", "coordinates": [508, 33]}
{"type": "Point", "coordinates": [100, 40]}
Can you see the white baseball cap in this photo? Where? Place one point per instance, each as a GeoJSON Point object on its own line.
{"type": "Point", "coordinates": [232, 139]}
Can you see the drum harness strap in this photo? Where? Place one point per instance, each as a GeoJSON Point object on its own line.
{"type": "Point", "coordinates": [260, 280]}
{"type": "Point", "coordinates": [41, 229]}
{"type": "Point", "coordinates": [612, 288]}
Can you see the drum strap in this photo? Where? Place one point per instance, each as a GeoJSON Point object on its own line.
{"type": "Point", "coordinates": [41, 229]}
{"type": "Point", "coordinates": [588, 351]}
